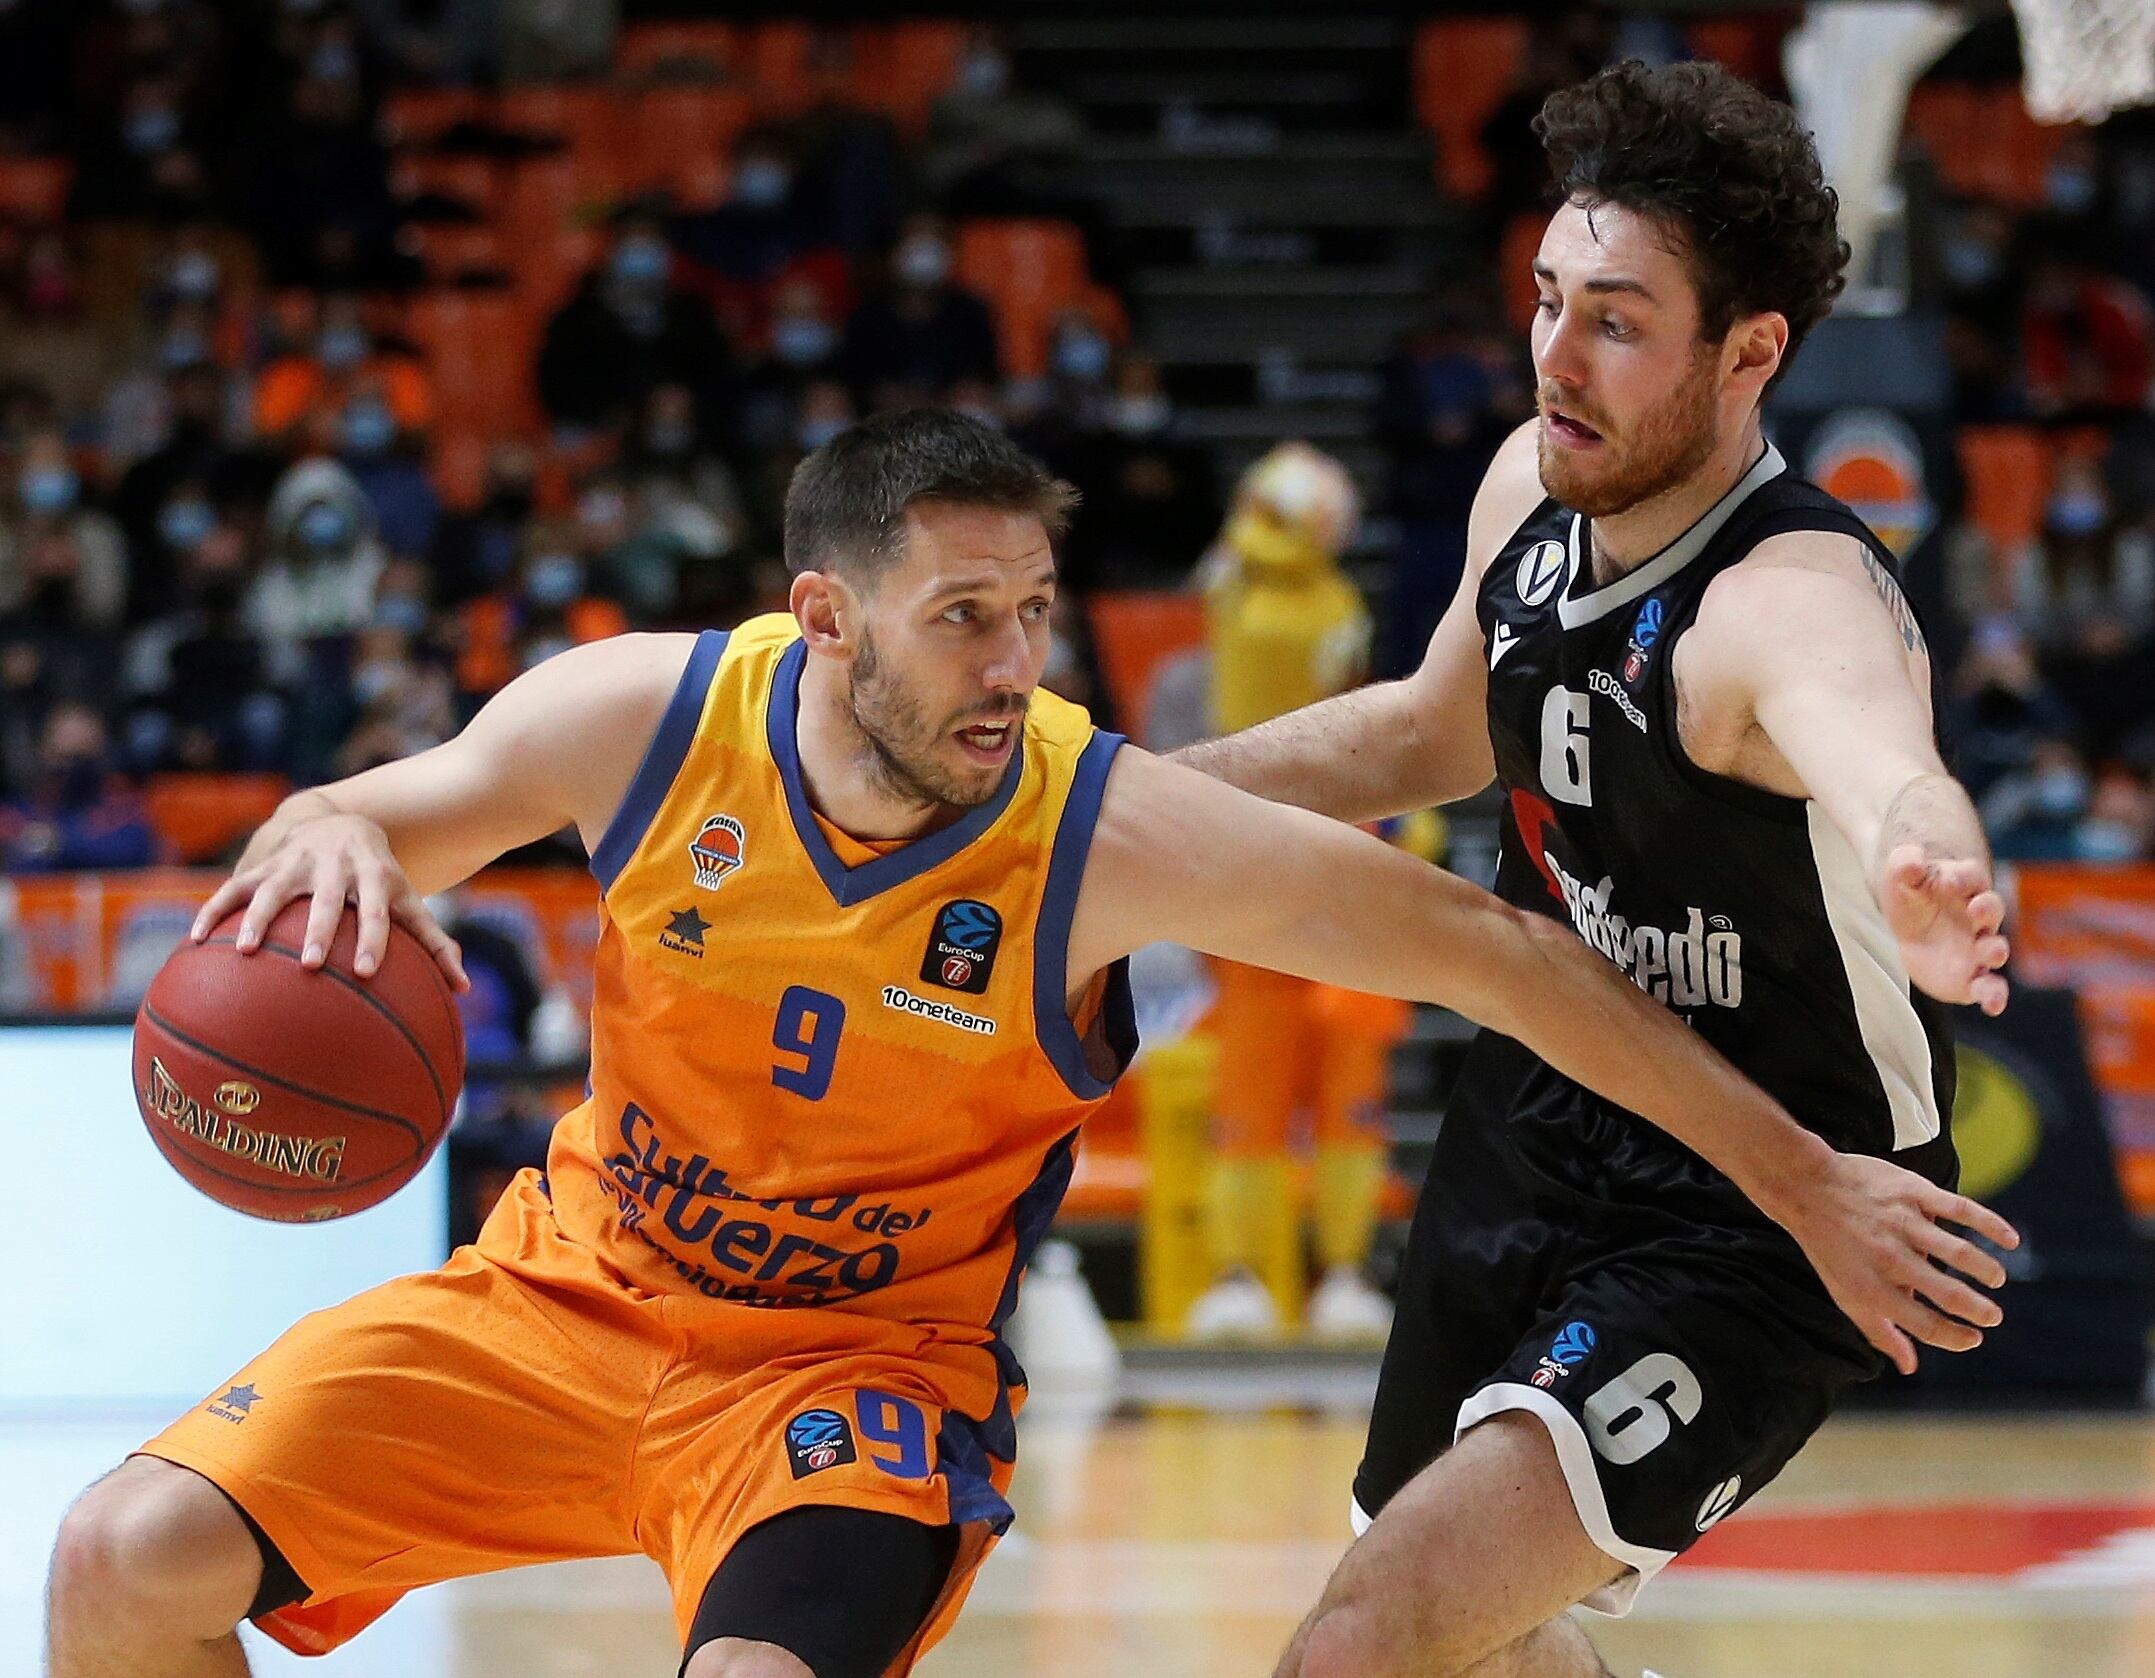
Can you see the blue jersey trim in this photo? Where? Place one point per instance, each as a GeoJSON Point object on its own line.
{"type": "Point", "coordinates": [1051, 939]}
{"type": "Point", "coordinates": [661, 761]}
{"type": "Point", "coordinates": [849, 886]}
{"type": "Point", "coordinates": [962, 1460]}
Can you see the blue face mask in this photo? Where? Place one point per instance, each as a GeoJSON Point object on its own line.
{"type": "Point", "coordinates": [152, 130]}
{"type": "Point", "coordinates": [401, 612]}
{"type": "Point", "coordinates": [2074, 514]}
{"type": "Point", "coordinates": [803, 340]}
{"type": "Point", "coordinates": [2070, 189]}
{"type": "Point", "coordinates": [1969, 263]}
{"type": "Point", "coordinates": [342, 346]}
{"type": "Point", "coordinates": [183, 347]}
{"type": "Point", "coordinates": [367, 428]}
{"type": "Point", "coordinates": [2061, 792]}
{"type": "Point", "coordinates": [324, 527]}
{"type": "Point", "coordinates": [1082, 356]}
{"type": "Point", "coordinates": [49, 489]}
{"type": "Point", "coordinates": [193, 274]}
{"type": "Point", "coordinates": [640, 262]}
{"type": "Point", "coordinates": [762, 182]}
{"type": "Point", "coordinates": [553, 580]}
{"type": "Point", "coordinates": [183, 524]}
{"type": "Point", "coordinates": [816, 432]}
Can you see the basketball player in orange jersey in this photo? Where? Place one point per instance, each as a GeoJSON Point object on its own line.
{"type": "Point", "coordinates": [1709, 705]}
{"type": "Point", "coordinates": [866, 897]}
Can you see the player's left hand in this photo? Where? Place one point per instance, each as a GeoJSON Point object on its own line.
{"type": "Point", "coordinates": [1873, 1233]}
{"type": "Point", "coordinates": [1946, 915]}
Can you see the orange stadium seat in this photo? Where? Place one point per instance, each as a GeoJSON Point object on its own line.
{"type": "Point", "coordinates": [777, 62]}
{"type": "Point", "coordinates": [471, 181]}
{"type": "Point", "coordinates": [901, 69]}
{"type": "Point", "coordinates": [1135, 632]}
{"type": "Point", "coordinates": [1463, 68]}
{"type": "Point", "coordinates": [201, 816]}
{"type": "Point", "coordinates": [2007, 471]}
{"type": "Point", "coordinates": [1750, 46]}
{"type": "Point", "coordinates": [458, 461]}
{"type": "Point", "coordinates": [454, 250]}
{"type": "Point", "coordinates": [1030, 271]}
{"type": "Point", "coordinates": [479, 346]}
{"type": "Point", "coordinates": [1515, 265]}
{"type": "Point", "coordinates": [35, 188]}
{"type": "Point", "coordinates": [680, 139]}
{"type": "Point", "coordinates": [678, 51]}
{"type": "Point", "coordinates": [418, 116]}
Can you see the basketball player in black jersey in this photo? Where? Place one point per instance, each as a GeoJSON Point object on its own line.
{"type": "Point", "coordinates": [1709, 704]}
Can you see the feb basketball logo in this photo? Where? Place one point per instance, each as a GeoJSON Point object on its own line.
{"type": "Point", "coordinates": [818, 1439]}
{"type": "Point", "coordinates": [717, 850]}
{"type": "Point", "coordinates": [1573, 1343]}
{"type": "Point", "coordinates": [961, 949]}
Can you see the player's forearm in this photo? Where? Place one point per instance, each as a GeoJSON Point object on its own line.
{"type": "Point", "coordinates": [1354, 757]}
{"type": "Point", "coordinates": [1545, 987]}
{"type": "Point", "coordinates": [1931, 811]}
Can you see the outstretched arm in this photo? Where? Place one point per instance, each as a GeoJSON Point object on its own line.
{"type": "Point", "coordinates": [1180, 857]}
{"type": "Point", "coordinates": [1813, 642]}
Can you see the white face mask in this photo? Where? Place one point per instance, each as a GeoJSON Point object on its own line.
{"type": "Point", "coordinates": [923, 260]}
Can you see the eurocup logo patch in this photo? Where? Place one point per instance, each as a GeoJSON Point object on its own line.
{"type": "Point", "coordinates": [961, 949]}
{"type": "Point", "coordinates": [717, 850]}
{"type": "Point", "coordinates": [818, 1439]}
{"type": "Point", "coordinates": [1645, 631]}
{"type": "Point", "coordinates": [1573, 1344]}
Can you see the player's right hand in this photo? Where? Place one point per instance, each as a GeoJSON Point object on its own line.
{"type": "Point", "coordinates": [1874, 1233]}
{"type": "Point", "coordinates": [334, 860]}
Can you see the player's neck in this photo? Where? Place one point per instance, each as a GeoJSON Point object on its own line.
{"type": "Point", "coordinates": [842, 775]}
{"type": "Point", "coordinates": [1625, 541]}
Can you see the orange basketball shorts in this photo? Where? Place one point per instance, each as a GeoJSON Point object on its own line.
{"type": "Point", "coordinates": [525, 1404]}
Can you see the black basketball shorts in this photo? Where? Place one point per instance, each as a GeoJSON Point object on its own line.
{"type": "Point", "coordinates": [1571, 1262]}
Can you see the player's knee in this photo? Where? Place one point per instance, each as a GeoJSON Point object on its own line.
{"type": "Point", "coordinates": [737, 1657]}
{"type": "Point", "coordinates": [155, 1541]}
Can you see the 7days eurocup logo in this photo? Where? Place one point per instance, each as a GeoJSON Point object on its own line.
{"type": "Point", "coordinates": [961, 949]}
{"type": "Point", "coordinates": [717, 850]}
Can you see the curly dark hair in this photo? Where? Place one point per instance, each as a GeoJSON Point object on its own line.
{"type": "Point", "coordinates": [1730, 171]}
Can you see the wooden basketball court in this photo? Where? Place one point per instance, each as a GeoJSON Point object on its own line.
{"type": "Point", "coordinates": [1180, 1542]}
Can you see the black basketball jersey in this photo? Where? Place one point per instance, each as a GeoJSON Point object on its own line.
{"type": "Point", "coordinates": [1744, 911]}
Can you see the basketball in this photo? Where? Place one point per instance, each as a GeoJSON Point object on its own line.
{"type": "Point", "coordinates": [292, 1095]}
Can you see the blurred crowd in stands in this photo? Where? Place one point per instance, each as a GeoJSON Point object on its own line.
{"type": "Point", "coordinates": [314, 431]}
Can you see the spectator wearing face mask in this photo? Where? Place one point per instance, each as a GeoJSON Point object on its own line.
{"type": "Point", "coordinates": [76, 812]}
{"type": "Point", "coordinates": [1150, 498]}
{"type": "Point", "coordinates": [195, 449]}
{"type": "Point", "coordinates": [628, 328]}
{"type": "Point", "coordinates": [309, 386]}
{"type": "Point", "coordinates": [49, 496]}
{"type": "Point", "coordinates": [389, 463]}
{"type": "Point", "coordinates": [2042, 813]}
{"type": "Point", "coordinates": [995, 149]}
{"type": "Point", "coordinates": [922, 333]}
{"type": "Point", "coordinates": [547, 606]}
{"type": "Point", "coordinates": [321, 206]}
{"type": "Point", "coordinates": [323, 563]}
{"type": "Point", "coordinates": [49, 654]}
{"type": "Point", "coordinates": [147, 164]}
{"type": "Point", "coordinates": [2091, 569]}
{"type": "Point", "coordinates": [2001, 707]}
{"type": "Point", "coordinates": [475, 551]}
{"type": "Point", "coordinates": [198, 679]}
{"type": "Point", "coordinates": [761, 238]}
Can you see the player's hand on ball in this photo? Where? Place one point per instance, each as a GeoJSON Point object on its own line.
{"type": "Point", "coordinates": [1946, 916]}
{"type": "Point", "coordinates": [1874, 1234]}
{"type": "Point", "coordinates": [335, 860]}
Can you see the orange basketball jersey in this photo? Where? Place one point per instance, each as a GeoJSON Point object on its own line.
{"type": "Point", "coordinates": [832, 1087]}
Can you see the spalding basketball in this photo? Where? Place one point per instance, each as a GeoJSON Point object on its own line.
{"type": "Point", "coordinates": [294, 1095]}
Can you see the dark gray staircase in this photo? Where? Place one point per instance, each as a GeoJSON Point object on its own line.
{"type": "Point", "coordinates": [1277, 202]}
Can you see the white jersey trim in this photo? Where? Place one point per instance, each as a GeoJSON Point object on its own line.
{"type": "Point", "coordinates": [1572, 611]}
{"type": "Point", "coordinates": [1576, 1457]}
{"type": "Point", "coordinates": [1892, 1031]}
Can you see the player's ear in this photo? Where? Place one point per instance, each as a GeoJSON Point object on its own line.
{"type": "Point", "coordinates": [826, 610]}
{"type": "Point", "coordinates": [1756, 344]}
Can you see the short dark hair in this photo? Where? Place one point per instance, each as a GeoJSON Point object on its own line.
{"type": "Point", "coordinates": [1732, 173]}
{"type": "Point", "coordinates": [845, 508]}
